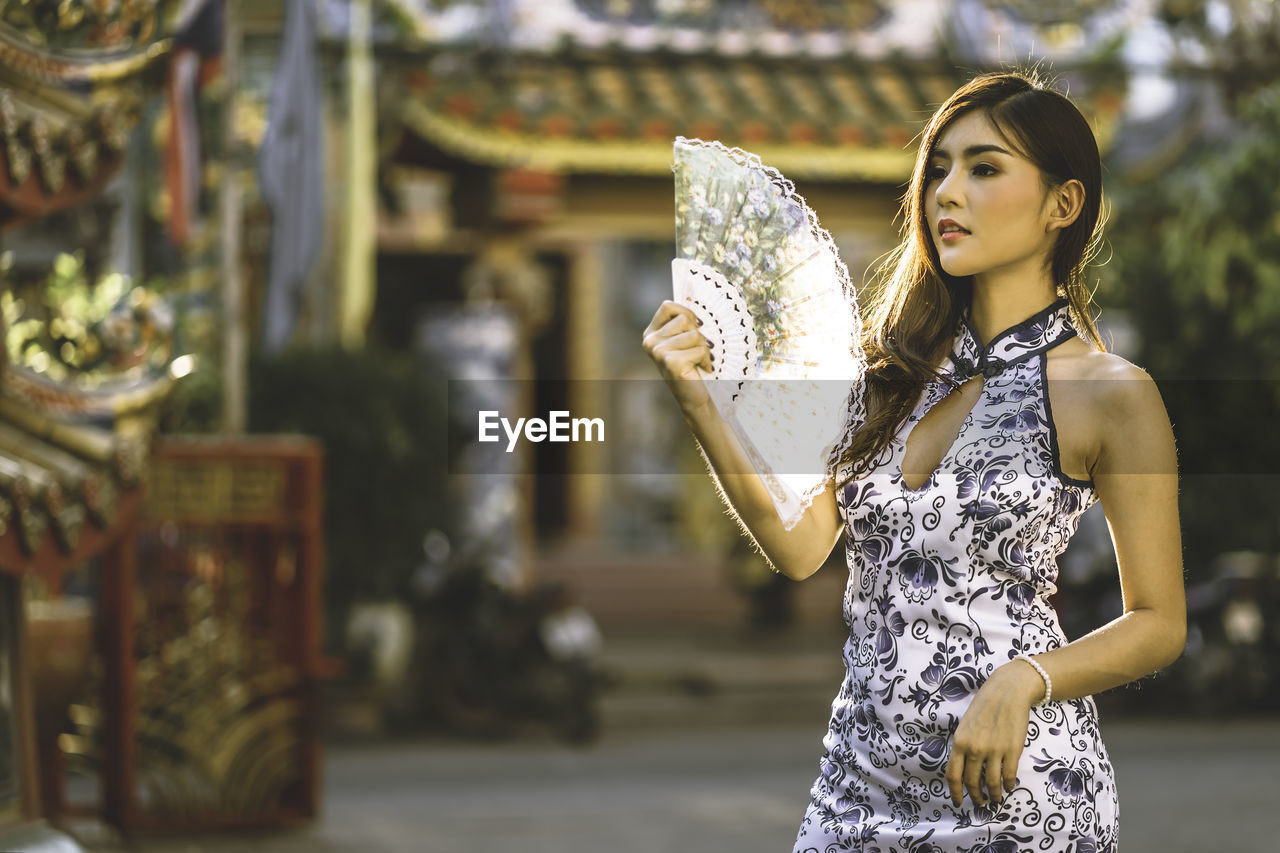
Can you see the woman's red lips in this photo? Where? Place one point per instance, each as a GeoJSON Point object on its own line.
{"type": "Point", "coordinates": [946, 224]}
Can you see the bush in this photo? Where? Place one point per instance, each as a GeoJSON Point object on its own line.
{"type": "Point", "coordinates": [383, 424]}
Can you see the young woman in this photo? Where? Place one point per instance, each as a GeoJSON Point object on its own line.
{"type": "Point", "coordinates": [995, 419]}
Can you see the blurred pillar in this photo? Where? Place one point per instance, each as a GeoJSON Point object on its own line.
{"type": "Point", "coordinates": [235, 339]}
{"type": "Point", "coordinates": [588, 489]}
{"type": "Point", "coordinates": [359, 263]}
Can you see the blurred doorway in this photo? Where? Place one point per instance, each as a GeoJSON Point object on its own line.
{"type": "Point", "coordinates": [411, 284]}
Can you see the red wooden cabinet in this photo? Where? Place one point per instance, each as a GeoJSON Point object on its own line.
{"type": "Point", "coordinates": [215, 630]}
{"type": "Point", "coordinates": [203, 713]}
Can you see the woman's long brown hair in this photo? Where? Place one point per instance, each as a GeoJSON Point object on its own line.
{"type": "Point", "coordinates": [916, 305]}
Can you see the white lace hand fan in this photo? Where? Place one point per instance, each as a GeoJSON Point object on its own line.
{"type": "Point", "coordinates": [776, 302]}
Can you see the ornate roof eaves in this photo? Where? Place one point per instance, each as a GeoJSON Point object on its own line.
{"type": "Point", "coordinates": [637, 157]}
{"type": "Point", "coordinates": [65, 69]}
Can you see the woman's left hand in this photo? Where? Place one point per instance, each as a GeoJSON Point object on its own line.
{"type": "Point", "coordinates": [992, 733]}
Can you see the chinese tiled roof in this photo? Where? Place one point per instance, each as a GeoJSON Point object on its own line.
{"type": "Point", "coordinates": [83, 367]}
{"type": "Point", "coordinates": [53, 159]}
{"type": "Point", "coordinates": [612, 111]}
{"type": "Point", "coordinates": [69, 461]}
{"type": "Point", "coordinates": [69, 72]}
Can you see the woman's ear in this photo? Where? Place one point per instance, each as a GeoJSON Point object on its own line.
{"type": "Point", "coordinates": [1066, 201]}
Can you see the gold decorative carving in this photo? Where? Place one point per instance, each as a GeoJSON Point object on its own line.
{"type": "Point", "coordinates": [205, 489]}
{"type": "Point", "coordinates": [218, 717]}
{"type": "Point", "coordinates": [18, 156]}
{"type": "Point", "coordinates": [87, 29]}
{"type": "Point", "coordinates": [53, 164]}
{"type": "Point", "coordinates": [84, 153]}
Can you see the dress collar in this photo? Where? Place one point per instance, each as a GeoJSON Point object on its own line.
{"type": "Point", "coordinates": [1041, 331]}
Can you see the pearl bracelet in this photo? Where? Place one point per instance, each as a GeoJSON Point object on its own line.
{"type": "Point", "coordinates": [1048, 682]}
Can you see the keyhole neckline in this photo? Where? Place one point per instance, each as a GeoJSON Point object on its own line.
{"type": "Point", "coordinates": [932, 396]}
{"type": "Point", "coordinates": [968, 359]}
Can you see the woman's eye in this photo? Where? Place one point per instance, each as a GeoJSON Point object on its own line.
{"type": "Point", "coordinates": [933, 173]}
{"type": "Point", "coordinates": [989, 170]}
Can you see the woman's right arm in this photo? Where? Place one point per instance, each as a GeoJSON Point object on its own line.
{"type": "Point", "coordinates": [673, 341]}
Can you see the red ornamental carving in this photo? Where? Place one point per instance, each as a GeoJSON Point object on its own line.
{"type": "Point", "coordinates": [526, 196]}
{"type": "Point", "coordinates": [28, 199]}
{"type": "Point", "coordinates": [898, 136]}
{"type": "Point", "coordinates": [461, 105]}
{"type": "Point", "coordinates": [706, 130]}
{"type": "Point", "coordinates": [607, 128]}
{"type": "Point", "coordinates": [419, 81]}
{"type": "Point", "coordinates": [803, 134]}
{"type": "Point", "coordinates": [508, 120]}
{"type": "Point", "coordinates": [850, 134]}
{"type": "Point", "coordinates": [657, 129]}
{"type": "Point", "coordinates": [557, 125]}
{"type": "Point", "coordinates": [755, 131]}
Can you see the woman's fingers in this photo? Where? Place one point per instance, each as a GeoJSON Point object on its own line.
{"type": "Point", "coordinates": [683, 349]}
{"type": "Point", "coordinates": [1011, 768]}
{"type": "Point", "coordinates": [993, 778]}
{"type": "Point", "coordinates": [969, 770]}
{"type": "Point", "coordinates": [955, 775]}
{"type": "Point", "coordinates": [988, 743]}
{"type": "Point", "coordinates": [677, 344]}
{"type": "Point", "coordinates": [679, 362]}
{"type": "Point", "coordinates": [669, 312]}
{"type": "Point", "coordinates": [691, 339]}
{"type": "Point", "coordinates": [973, 778]}
{"type": "Point", "coordinates": [965, 773]}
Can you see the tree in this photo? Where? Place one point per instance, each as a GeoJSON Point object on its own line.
{"type": "Point", "coordinates": [1237, 40]}
{"type": "Point", "coordinates": [1197, 263]}
{"type": "Point", "coordinates": [383, 424]}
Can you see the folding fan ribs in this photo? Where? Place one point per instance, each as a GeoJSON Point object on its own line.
{"type": "Point", "coordinates": [776, 300]}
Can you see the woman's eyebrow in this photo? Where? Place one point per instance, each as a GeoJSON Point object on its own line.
{"type": "Point", "coordinates": [972, 151]}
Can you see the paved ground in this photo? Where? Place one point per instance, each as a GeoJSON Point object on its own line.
{"type": "Point", "coordinates": [710, 747]}
{"type": "Point", "coordinates": [744, 790]}
{"type": "Point", "coordinates": [1184, 788]}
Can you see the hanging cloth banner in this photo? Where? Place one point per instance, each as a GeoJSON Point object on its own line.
{"type": "Point", "coordinates": [197, 49]}
{"type": "Point", "coordinates": [291, 173]}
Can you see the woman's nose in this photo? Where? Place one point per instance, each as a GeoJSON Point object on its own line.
{"type": "Point", "coordinates": [947, 191]}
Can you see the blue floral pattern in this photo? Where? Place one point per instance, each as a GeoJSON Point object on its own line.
{"type": "Point", "coordinates": [946, 583]}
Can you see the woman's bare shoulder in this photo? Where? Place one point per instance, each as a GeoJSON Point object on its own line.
{"type": "Point", "coordinates": [1106, 383]}
{"type": "Point", "coordinates": [1078, 360]}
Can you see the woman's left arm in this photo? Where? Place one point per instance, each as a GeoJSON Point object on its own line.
{"type": "Point", "coordinates": [1135, 476]}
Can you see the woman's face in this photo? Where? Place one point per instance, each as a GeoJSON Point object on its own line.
{"type": "Point", "coordinates": [975, 179]}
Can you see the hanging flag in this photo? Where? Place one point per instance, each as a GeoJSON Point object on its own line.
{"type": "Point", "coordinates": [291, 173]}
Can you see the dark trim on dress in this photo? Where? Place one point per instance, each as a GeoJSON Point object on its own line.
{"type": "Point", "coordinates": [1040, 316]}
{"type": "Point", "coordinates": [1027, 356]}
{"type": "Point", "coordinates": [985, 360]}
{"type": "Point", "coordinates": [1053, 427]}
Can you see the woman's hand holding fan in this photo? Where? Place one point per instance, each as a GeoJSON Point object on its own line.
{"type": "Point", "coordinates": [683, 356]}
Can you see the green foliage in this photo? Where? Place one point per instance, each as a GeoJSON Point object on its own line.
{"type": "Point", "coordinates": [1197, 263]}
{"type": "Point", "coordinates": [1199, 248]}
{"type": "Point", "coordinates": [86, 333]}
{"type": "Point", "coordinates": [383, 424]}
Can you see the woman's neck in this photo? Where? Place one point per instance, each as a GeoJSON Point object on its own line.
{"type": "Point", "coordinates": [1001, 303]}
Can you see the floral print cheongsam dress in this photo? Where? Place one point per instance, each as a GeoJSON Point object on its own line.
{"type": "Point", "coordinates": [946, 583]}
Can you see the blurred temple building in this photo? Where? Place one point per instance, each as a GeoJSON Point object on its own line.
{"type": "Point", "coordinates": [486, 186]}
{"type": "Point", "coordinates": [520, 154]}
